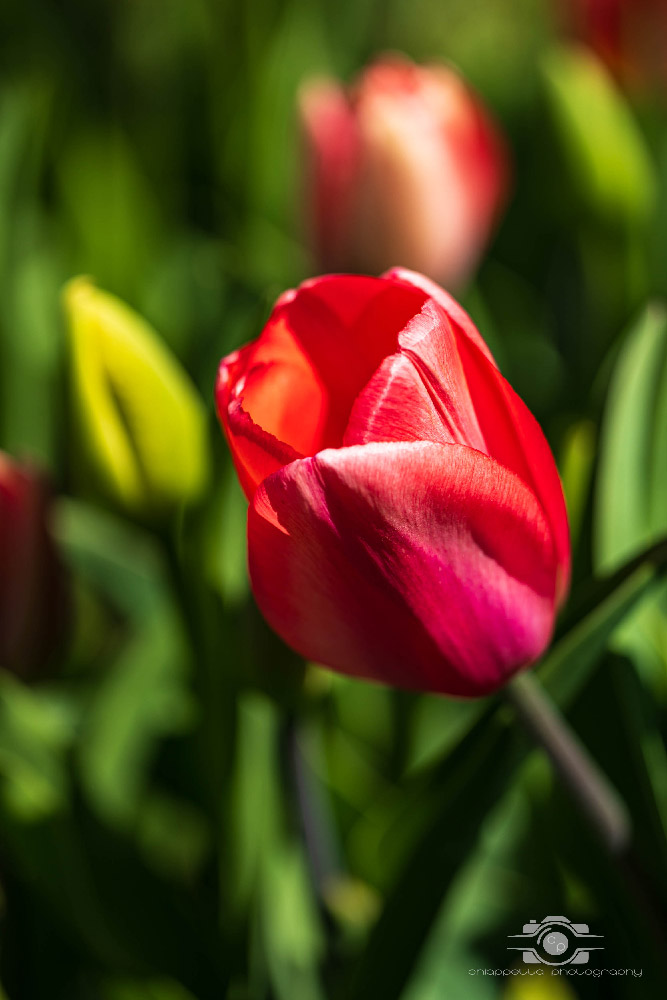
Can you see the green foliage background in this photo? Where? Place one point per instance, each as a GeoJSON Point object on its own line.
{"type": "Point", "coordinates": [149, 840]}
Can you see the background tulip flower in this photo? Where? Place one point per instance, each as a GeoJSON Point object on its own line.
{"type": "Point", "coordinates": [140, 419]}
{"type": "Point", "coordinates": [405, 167]}
{"type": "Point", "coordinates": [33, 590]}
{"type": "Point", "coordinates": [630, 36]}
{"type": "Point", "coordinates": [407, 521]}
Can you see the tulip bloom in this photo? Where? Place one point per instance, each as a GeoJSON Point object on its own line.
{"type": "Point", "coordinates": [406, 520]}
{"type": "Point", "coordinates": [33, 592]}
{"type": "Point", "coordinates": [406, 168]}
{"type": "Point", "coordinates": [630, 36]}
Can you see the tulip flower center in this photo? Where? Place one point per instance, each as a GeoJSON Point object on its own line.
{"type": "Point", "coordinates": [316, 355]}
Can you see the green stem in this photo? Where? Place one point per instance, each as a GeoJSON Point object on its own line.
{"type": "Point", "coordinates": [596, 797]}
{"type": "Point", "coordinates": [214, 687]}
{"type": "Point", "coordinates": [314, 811]}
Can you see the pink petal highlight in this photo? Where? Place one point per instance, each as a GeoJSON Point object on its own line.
{"type": "Point", "coordinates": [421, 565]}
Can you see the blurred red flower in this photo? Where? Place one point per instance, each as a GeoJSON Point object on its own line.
{"type": "Point", "coordinates": [33, 591]}
{"type": "Point", "coordinates": [407, 521]}
{"type": "Point", "coordinates": [406, 167]}
{"type": "Point", "coordinates": [630, 36]}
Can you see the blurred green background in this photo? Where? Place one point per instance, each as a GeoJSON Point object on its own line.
{"type": "Point", "coordinates": [150, 787]}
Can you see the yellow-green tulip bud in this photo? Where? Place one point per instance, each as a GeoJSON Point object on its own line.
{"type": "Point", "coordinates": [140, 420]}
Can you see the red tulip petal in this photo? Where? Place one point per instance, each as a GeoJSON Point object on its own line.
{"type": "Point", "coordinates": [345, 296]}
{"type": "Point", "coordinates": [21, 502]}
{"type": "Point", "coordinates": [456, 394]}
{"type": "Point", "coordinates": [290, 393]}
{"type": "Point", "coordinates": [332, 147]}
{"type": "Point", "coordinates": [256, 452]}
{"type": "Point", "coordinates": [438, 540]}
{"type": "Point", "coordinates": [515, 439]}
{"type": "Point", "coordinates": [404, 166]}
{"type": "Point", "coordinates": [33, 590]}
{"type": "Point", "coordinates": [456, 313]}
{"type": "Point", "coordinates": [428, 177]}
{"type": "Point", "coordinates": [346, 325]}
{"type": "Point", "coordinates": [421, 393]}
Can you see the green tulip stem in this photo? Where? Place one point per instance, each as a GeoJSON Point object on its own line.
{"type": "Point", "coordinates": [589, 787]}
{"type": "Point", "coordinates": [313, 808]}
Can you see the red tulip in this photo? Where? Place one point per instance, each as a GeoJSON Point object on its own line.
{"type": "Point", "coordinates": [33, 595]}
{"type": "Point", "coordinates": [406, 167]}
{"type": "Point", "coordinates": [407, 521]}
{"type": "Point", "coordinates": [630, 36]}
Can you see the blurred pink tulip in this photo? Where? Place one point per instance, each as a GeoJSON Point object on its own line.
{"type": "Point", "coordinates": [404, 168]}
{"type": "Point", "coordinates": [33, 592]}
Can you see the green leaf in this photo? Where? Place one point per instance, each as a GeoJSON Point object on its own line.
{"type": "Point", "coordinates": [630, 507]}
{"type": "Point", "coordinates": [142, 699]}
{"type": "Point", "coordinates": [173, 835]}
{"type": "Point", "coordinates": [632, 477]}
{"type": "Point", "coordinates": [145, 989]}
{"type": "Point", "coordinates": [464, 788]}
{"type": "Point", "coordinates": [255, 803]}
{"type": "Point", "coordinates": [117, 559]}
{"type": "Point", "coordinates": [567, 665]}
{"type": "Point", "coordinates": [576, 469]}
{"type": "Point", "coordinates": [603, 148]}
{"type": "Point", "coordinates": [36, 730]}
{"type": "Point", "coordinates": [224, 553]}
{"type": "Point", "coordinates": [290, 925]}
{"type": "Point", "coordinates": [110, 207]}
{"type": "Point", "coordinates": [634, 758]}
{"type": "Point", "coordinates": [433, 862]}
{"type": "Point", "coordinates": [269, 876]}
